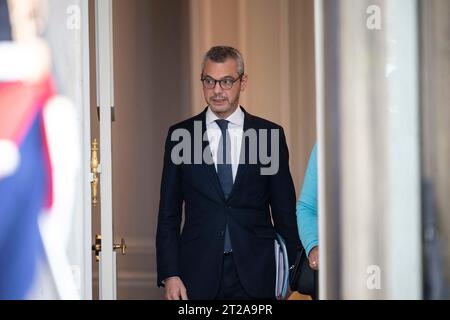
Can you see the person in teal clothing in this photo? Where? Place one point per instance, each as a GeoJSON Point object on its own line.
{"type": "Point", "coordinates": [307, 212]}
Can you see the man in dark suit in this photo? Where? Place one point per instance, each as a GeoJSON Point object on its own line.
{"type": "Point", "coordinates": [230, 169]}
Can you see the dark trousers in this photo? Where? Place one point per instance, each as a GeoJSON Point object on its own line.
{"type": "Point", "coordinates": [230, 285]}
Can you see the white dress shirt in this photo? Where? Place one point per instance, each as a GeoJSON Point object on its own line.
{"type": "Point", "coordinates": [235, 129]}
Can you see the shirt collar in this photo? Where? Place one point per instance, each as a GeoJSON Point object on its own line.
{"type": "Point", "coordinates": [236, 118]}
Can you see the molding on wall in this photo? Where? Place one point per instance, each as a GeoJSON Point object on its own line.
{"type": "Point", "coordinates": [197, 37]}
{"type": "Point", "coordinates": [243, 43]}
{"type": "Point", "coordinates": [136, 279]}
{"type": "Point", "coordinates": [140, 246]}
{"type": "Point", "coordinates": [139, 277]}
{"type": "Point", "coordinates": [133, 278]}
{"type": "Point", "coordinates": [285, 67]}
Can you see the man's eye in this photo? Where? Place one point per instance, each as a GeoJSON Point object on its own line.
{"type": "Point", "coordinates": [209, 81]}
{"type": "Point", "coordinates": [227, 82]}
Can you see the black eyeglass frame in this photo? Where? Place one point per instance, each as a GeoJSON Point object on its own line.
{"type": "Point", "coordinates": [202, 79]}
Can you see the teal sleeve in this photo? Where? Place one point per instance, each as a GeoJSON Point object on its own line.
{"type": "Point", "coordinates": [307, 206]}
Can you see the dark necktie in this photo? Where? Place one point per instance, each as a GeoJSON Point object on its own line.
{"type": "Point", "coordinates": [224, 170]}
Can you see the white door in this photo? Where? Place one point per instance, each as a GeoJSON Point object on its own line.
{"type": "Point", "coordinates": [105, 103]}
{"type": "Point", "coordinates": [99, 162]}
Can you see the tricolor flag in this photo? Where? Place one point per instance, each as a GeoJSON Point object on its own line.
{"type": "Point", "coordinates": [25, 182]}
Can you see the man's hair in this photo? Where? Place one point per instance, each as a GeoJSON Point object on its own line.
{"type": "Point", "coordinates": [219, 54]}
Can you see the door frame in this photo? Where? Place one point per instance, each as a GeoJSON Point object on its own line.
{"type": "Point", "coordinates": [105, 101]}
{"type": "Point", "coordinates": [86, 273]}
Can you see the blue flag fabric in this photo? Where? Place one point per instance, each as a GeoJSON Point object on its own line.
{"type": "Point", "coordinates": [22, 197]}
{"type": "Point", "coordinates": [26, 187]}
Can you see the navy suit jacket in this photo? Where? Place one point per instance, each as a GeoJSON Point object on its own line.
{"type": "Point", "coordinates": [258, 206]}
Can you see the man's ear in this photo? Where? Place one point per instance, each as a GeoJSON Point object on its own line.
{"type": "Point", "coordinates": [244, 82]}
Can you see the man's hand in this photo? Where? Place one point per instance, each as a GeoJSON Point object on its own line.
{"type": "Point", "coordinates": [314, 258]}
{"type": "Point", "coordinates": [175, 289]}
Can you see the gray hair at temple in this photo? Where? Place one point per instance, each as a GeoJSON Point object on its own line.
{"type": "Point", "coordinates": [219, 54]}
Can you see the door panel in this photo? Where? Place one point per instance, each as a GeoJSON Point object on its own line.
{"type": "Point", "coordinates": [105, 102]}
{"type": "Point", "coordinates": [151, 71]}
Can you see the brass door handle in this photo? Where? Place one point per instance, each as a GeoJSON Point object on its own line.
{"type": "Point", "coordinates": [97, 246]}
{"type": "Point", "coordinates": [121, 246]}
{"type": "Point", "coordinates": [95, 172]}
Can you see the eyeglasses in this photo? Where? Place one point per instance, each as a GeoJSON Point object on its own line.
{"type": "Point", "coordinates": [225, 84]}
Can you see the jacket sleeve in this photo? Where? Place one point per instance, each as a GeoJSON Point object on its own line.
{"type": "Point", "coordinates": [169, 217]}
{"type": "Point", "coordinates": [283, 200]}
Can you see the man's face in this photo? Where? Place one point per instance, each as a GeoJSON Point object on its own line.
{"type": "Point", "coordinates": [221, 101]}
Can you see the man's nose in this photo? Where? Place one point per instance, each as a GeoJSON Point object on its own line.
{"type": "Point", "coordinates": [217, 88]}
